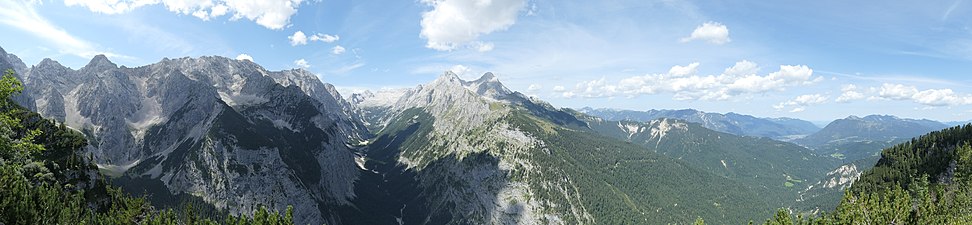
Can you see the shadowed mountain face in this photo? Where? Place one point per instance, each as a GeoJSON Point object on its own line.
{"type": "Point", "coordinates": [738, 124]}
{"type": "Point", "coordinates": [225, 131]}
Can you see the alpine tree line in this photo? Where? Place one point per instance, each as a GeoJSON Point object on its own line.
{"type": "Point", "coordinates": [46, 179]}
{"type": "Point", "coordinates": [927, 180]}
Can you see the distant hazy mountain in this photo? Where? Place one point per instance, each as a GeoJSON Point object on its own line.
{"type": "Point", "coordinates": [958, 123]}
{"type": "Point", "coordinates": [738, 124]}
{"type": "Point", "coordinates": [855, 138]}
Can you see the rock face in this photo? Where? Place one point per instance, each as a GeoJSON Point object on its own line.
{"type": "Point", "coordinates": [456, 169]}
{"type": "Point", "coordinates": [223, 130]}
{"type": "Point", "coordinates": [12, 62]}
{"type": "Point", "coordinates": [738, 124]}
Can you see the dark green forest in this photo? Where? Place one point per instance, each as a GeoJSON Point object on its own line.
{"type": "Point", "coordinates": [46, 179]}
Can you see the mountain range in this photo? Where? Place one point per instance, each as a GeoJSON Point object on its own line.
{"type": "Point", "coordinates": [854, 138]}
{"type": "Point", "coordinates": [223, 130]}
{"type": "Point", "coordinates": [236, 137]}
{"type": "Point", "coordinates": [733, 123]}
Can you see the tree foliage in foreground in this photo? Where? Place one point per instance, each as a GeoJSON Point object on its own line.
{"type": "Point", "coordinates": [44, 178]}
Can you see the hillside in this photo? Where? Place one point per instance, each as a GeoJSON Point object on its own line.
{"type": "Point", "coordinates": [458, 151]}
{"type": "Point", "coordinates": [854, 138]}
{"type": "Point", "coordinates": [927, 180]}
{"type": "Point", "coordinates": [780, 168]}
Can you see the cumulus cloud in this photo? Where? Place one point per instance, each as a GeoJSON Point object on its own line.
{"type": "Point", "coordinates": [711, 32]}
{"type": "Point", "coordinates": [299, 38]}
{"type": "Point", "coordinates": [337, 50]}
{"type": "Point", "coordinates": [302, 63]}
{"type": "Point", "coordinates": [929, 97]}
{"type": "Point", "coordinates": [742, 68]}
{"type": "Point", "coordinates": [800, 103]}
{"type": "Point", "coordinates": [242, 57]}
{"type": "Point", "coordinates": [680, 71]}
{"type": "Point", "coordinates": [897, 91]}
{"type": "Point", "coordinates": [849, 93]}
{"type": "Point", "coordinates": [684, 83]}
{"type": "Point", "coordinates": [559, 88]}
{"type": "Point", "coordinates": [455, 23]}
{"type": "Point", "coordinates": [272, 14]}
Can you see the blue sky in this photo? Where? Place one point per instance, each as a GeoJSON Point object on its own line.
{"type": "Point", "coordinates": [815, 60]}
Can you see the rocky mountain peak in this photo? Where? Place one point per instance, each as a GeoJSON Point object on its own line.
{"type": "Point", "coordinates": [49, 63]}
{"type": "Point", "coordinates": [99, 63]}
{"type": "Point", "coordinates": [11, 61]}
{"type": "Point", "coordinates": [489, 86]}
{"type": "Point", "coordinates": [447, 78]}
{"type": "Point", "coordinates": [488, 76]}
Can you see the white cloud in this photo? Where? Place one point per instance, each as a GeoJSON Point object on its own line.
{"type": "Point", "coordinates": [272, 14]}
{"type": "Point", "coordinates": [849, 93]}
{"type": "Point", "coordinates": [801, 102]}
{"type": "Point", "coordinates": [534, 87]}
{"type": "Point", "coordinates": [298, 38]}
{"type": "Point", "coordinates": [684, 83]}
{"type": "Point", "coordinates": [337, 50]}
{"type": "Point", "coordinates": [459, 69]}
{"type": "Point", "coordinates": [897, 91]}
{"type": "Point", "coordinates": [559, 88]}
{"type": "Point", "coordinates": [681, 71]}
{"type": "Point", "coordinates": [242, 57]}
{"type": "Point", "coordinates": [940, 97]}
{"type": "Point", "coordinates": [711, 32]}
{"type": "Point", "coordinates": [302, 63]}
{"type": "Point", "coordinates": [455, 23]}
{"type": "Point", "coordinates": [928, 97]}
{"type": "Point", "coordinates": [325, 38]}
{"type": "Point", "coordinates": [742, 68]}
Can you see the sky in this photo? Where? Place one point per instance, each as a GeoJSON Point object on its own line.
{"type": "Point", "coordinates": [813, 60]}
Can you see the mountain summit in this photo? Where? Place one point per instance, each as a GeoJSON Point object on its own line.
{"type": "Point", "coordinates": [228, 132]}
